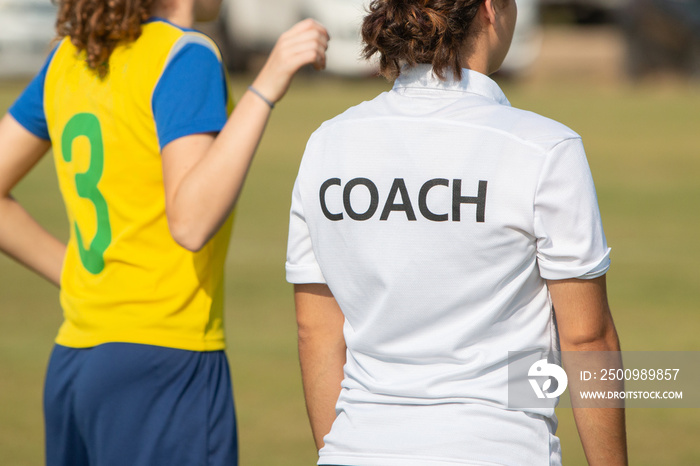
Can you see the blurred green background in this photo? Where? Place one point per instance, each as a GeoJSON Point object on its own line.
{"type": "Point", "coordinates": [643, 144]}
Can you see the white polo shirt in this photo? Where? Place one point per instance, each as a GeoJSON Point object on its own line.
{"type": "Point", "coordinates": [434, 213]}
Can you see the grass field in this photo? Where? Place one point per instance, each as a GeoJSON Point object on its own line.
{"type": "Point", "coordinates": [644, 151]}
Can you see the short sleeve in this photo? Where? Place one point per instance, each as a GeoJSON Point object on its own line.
{"type": "Point", "coordinates": [28, 109]}
{"type": "Point", "coordinates": [570, 238]}
{"type": "Point", "coordinates": [301, 265]}
{"type": "Point", "coordinates": [191, 94]}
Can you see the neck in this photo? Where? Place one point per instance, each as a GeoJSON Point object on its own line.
{"type": "Point", "coordinates": [180, 13]}
{"type": "Point", "coordinates": [489, 40]}
{"type": "Point", "coordinates": [478, 52]}
{"type": "Point", "coordinates": [477, 62]}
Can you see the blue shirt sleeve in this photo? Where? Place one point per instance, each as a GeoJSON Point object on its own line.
{"type": "Point", "coordinates": [191, 95]}
{"type": "Point", "coordinates": [28, 109]}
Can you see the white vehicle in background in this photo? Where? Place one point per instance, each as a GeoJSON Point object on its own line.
{"type": "Point", "coordinates": [27, 28]}
{"type": "Point", "coordinates": [527, 39]}
{"type": "Point", "coordinates": [250, 27]}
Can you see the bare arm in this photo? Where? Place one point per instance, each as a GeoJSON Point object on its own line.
{"type": "Point", "coordinates": [585, 324]}
{"type": "Point", "coordinates": [21, 237]}
{"type": "Point", "coordinates": [321, 353]}
{"type": "Point", "coordinates": [203, 174]}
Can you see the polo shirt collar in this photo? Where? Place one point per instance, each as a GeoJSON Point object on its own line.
{"type": "Point", "coordinates": [472, 82]}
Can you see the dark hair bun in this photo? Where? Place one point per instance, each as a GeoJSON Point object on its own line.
{"type": "Point", "coordinates": [408, 32]}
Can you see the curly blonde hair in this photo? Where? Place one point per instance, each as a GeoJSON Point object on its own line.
{"type": "Point", "coordinates": [98, 26]}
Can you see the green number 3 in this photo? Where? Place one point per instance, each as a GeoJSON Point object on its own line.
{"type": "Point", "coordinates": [87, 125]}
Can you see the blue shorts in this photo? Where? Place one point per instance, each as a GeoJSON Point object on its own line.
{"type": "Point", "coordinates": [139, 405]}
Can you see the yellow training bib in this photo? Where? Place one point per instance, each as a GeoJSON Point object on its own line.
{"type": "Point", "coordinates": [124, 277]}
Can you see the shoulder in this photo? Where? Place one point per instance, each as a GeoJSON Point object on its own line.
{"type": "Point", "coordinates": [363, 112]}
{"type": "Point", "coordinates": [536, 129]}
{"type": "Point", "coordinates": [164, 41]}
{"type": "Point", "coordinates": [528, 128]}
{"type": "Point", "coordinates": [181, 59]}
{"type": "Point", "coordinates": [63, 51]}
{"type": "Point", "coordinates": [191, 93]}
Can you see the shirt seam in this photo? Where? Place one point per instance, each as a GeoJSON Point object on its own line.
{"type": "Point", "coordinates": [191, 127]}
{"type": "Point", "coordinates": [460, 91]}
{"type": "Point", "coordinates": [543, 151]}
{"type": "Point", "coordinates": [48, 70]}
{"type": "Point", "coordinates": [169, 60]}
{"type": "Point", "coordinates": [538, 184]}
{"type": "Point", "coordinates": [52, 55]}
